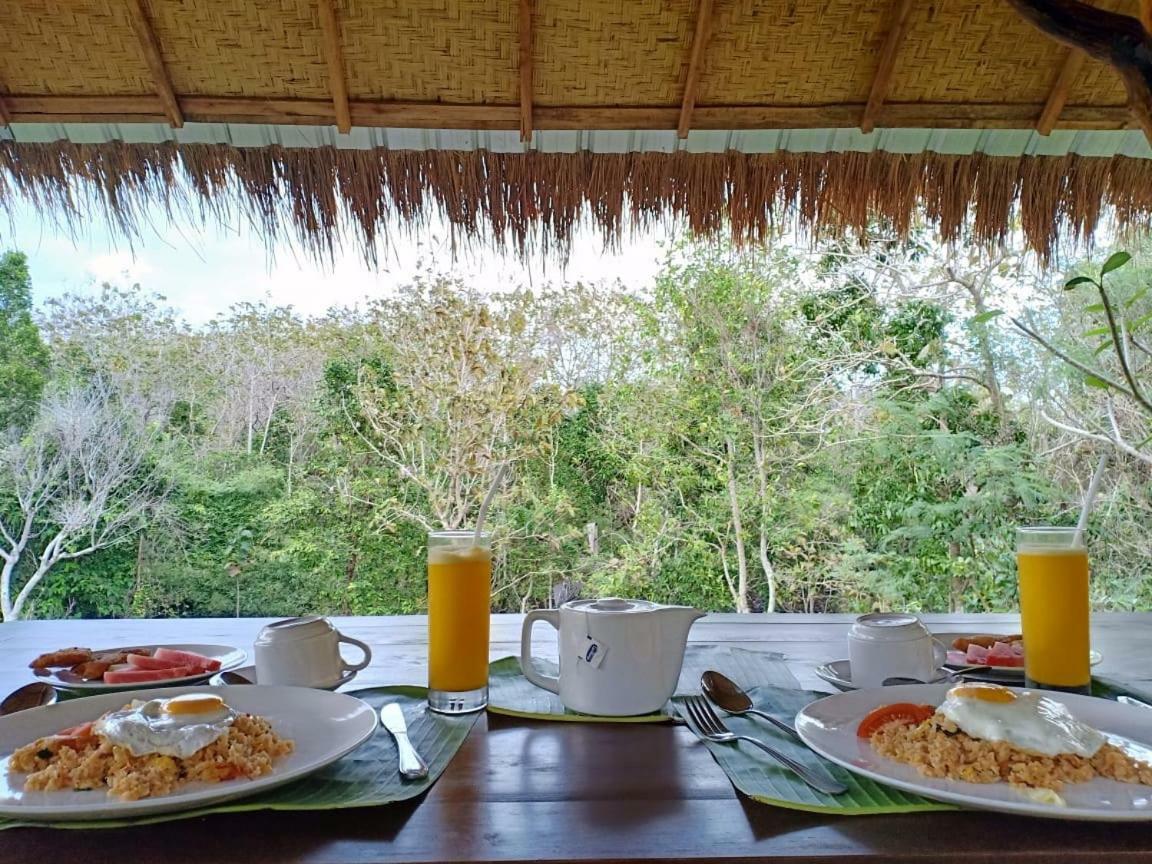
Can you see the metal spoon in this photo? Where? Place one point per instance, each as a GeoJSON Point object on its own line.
{"type": "Point", "coordinates": [725, 693]}
{"type": "Point", "coordinates": [949, 675]}
{"type": "Point", "coordinates": [33, 695]}
{"type": "Point", "coordinates": [233, 678]}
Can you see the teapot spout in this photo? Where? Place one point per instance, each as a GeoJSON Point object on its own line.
{"type": "Point", "coordinates": [680, 618]}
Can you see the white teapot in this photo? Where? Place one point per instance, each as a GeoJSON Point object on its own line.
{"type": "Point", "coordinates": [618, 658]}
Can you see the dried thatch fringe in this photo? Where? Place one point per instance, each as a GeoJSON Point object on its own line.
{"type": "Point", "coordinates": [533, 201]}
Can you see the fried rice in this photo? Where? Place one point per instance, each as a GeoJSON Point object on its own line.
{"type": "Point", "coordinates": [56, 763]}
{"type": "Point", "coordinates": [937, 748]}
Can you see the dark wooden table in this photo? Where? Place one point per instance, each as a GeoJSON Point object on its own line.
{"type": "Point", "coordinates": [534, 791]}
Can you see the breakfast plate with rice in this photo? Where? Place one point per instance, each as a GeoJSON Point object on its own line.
{"type": "Point", "coordinates": [154, 751]}
{"type": "Point", "coordinates": [990, 747]}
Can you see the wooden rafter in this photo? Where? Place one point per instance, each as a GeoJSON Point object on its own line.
{"type": "Point", "coordinates": [5, 114]}
{"type": "Point", "coordinates": [1119, 40]}
{"type": "Point", "coordinates": [1061, 87]}
{"type": "Point", "coordinates": [334, 56]}
{"type": "Point", "coordinates": [700, 39]}
{"type": "Point", "coordinates": [431, 115]}
{"type": "Point", "coordinates": [884, 69]}
{"type": "Point", "coordinates": [1146, 14]}
{"type": "Point", "coordinates": [1065, 79]}
{"type": "Point", "coordinates": [527, 39]}
{"type": "Point", "coordinates": [142, 24]}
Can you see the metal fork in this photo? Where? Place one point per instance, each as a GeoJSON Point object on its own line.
{"type": "Point", "coordinates": [703, 721]}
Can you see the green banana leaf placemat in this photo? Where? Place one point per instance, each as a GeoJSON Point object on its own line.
{"type": "Point", "coordinates": [761, 778]}
{"type": "Point", "coordinates": [511, 694]}
{"type": "Point", "coordinates": [366, 777]}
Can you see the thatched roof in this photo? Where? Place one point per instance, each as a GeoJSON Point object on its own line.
{"type": "Point", "coordinates": [728, 113]}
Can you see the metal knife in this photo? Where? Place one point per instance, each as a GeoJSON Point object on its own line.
{"type": "Point", "coordinates": [412, 767]}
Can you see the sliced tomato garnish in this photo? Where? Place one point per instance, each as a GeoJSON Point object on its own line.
{"type": "Point", "coordinates": [906, 713]}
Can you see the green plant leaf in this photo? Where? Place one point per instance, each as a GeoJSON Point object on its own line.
{"type": "Point", "coordinates": [1093, 381]}
{"type": "Point", "coordinates": [1079, 280]}
{"type": "Point", "coordinates": [1095, 307]}
{"type": "Point", "coordinates": [1135, 298]}
{"type": "Point", "coordinates": [1118, 260]}
{"type": "Point", "coordinates": [985, 317]}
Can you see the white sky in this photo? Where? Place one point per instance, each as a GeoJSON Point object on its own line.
{"type": "Point", "coordinates": [203, 272]}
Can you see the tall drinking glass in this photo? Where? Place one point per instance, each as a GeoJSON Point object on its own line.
{"type": "Point", "coordinates": [1053, 567]}
{"type": "Point", "coordinates": [459, 604]}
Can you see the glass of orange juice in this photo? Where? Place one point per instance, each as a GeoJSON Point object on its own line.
{"type": "Point", "coordinates": [1052, 564]}
{"type": "Point", "coordinates": [459, 609]}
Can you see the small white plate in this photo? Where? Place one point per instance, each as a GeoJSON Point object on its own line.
{"type": "Point", "coordinates": [1006, 672]}
{"type": "Point", "coordinates": [838, 673]}
{"type": "Point", "coordinates": [249, 672]}
{"type": "Point", "coordinates": [829, 725]}
{"type": "Point", "coordinates": [228, 656]}
{"type": "Point", "coordinates": [324, 727]}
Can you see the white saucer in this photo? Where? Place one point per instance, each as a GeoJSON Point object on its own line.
{"type": "Point", "coordinates": [838, 673]}
{"type": "Point", "coordinates": [249, 672]}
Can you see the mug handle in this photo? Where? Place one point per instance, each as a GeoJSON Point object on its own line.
{"type": "Point", "coordinates": [355, 667]}
{"type": "Point", "coordinates": [552, 616]}
{"type": "Point", "coordinates": [939, 653]}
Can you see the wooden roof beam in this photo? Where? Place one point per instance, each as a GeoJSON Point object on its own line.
{"type": "Point", "coordinates": [1146, 14]}
{"type": "Point", "coordinates": [695, 62]}
{"type": "Point", "coordinates": [318, 112]}
{"type": "Point", "coordinates": [142, 24]}
{"type": "Point", "coordinates": [334, 57]}
{"type": "Point", "coordinates": [5, 114]}
{"type": "Point", "coordinates": [1065, 79]}
{"type": "Point", "coordinates": [1061, 87]}
{"type": "Point", "coordinates": [527, 40]}
{"type": "Point", "coordinates": [881, 81]}
{"type": "Point", "coordinates": [1118, 40]}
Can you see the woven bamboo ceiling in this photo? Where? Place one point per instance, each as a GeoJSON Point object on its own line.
{"type": "Point", "coordinates": [594, 64]}
{"type": "Point", "coordinates": [134, 87]}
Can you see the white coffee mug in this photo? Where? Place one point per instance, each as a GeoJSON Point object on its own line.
{"type": "Point", "coordinates": [305, 652]}
{"type": "Point", "coordinates": [890, 644]}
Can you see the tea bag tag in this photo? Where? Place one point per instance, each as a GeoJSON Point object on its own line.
{"type": "Point", "coordinates": [594, 651]}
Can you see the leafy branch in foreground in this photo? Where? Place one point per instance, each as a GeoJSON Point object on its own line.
{"type": "Point", "coordinates": [1122, 337]}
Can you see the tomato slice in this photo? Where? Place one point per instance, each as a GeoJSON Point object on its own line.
{"type": "Point", "coordinates": [906, 713]}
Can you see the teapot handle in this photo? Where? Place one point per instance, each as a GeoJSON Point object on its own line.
{"type": "Point", "coordinates": [552, 616]}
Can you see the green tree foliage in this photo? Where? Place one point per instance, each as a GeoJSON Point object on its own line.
{"type": "Point", "coordinates": [841, 431]}
{"type": "Point", "coordinates": [24, 358]}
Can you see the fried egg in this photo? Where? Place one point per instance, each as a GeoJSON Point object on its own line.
{"type": "Point", "coordinates": [1026, 720]}
{"type": "Point", "coordinates": [179, 726]}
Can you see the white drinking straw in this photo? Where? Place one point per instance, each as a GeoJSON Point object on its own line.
{"type": "Point", "coordinates": [1090, 497]}
{"type": "Point", "coordinates": [492, 490]}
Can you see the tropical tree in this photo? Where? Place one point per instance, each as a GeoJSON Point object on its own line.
{"type": "Point", "coordinates": [81, 479]}
{"type": "Point", "coordinates": [24, 358]}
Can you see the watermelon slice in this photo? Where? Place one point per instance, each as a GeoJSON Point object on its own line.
{"type": "Point", "coordinates": [140, 676]}
{"type": "Point", "coordinates": [1001, 654]}
{"type": "Point", "coordinates": [188, 658]}
{"type": "Point", "coordinates": [141, 661]}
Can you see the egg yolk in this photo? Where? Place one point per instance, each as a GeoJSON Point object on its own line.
{"type": "Point", "coordinates": [985, 693]}
{"type": "Point", "coordinates": [194, 703]}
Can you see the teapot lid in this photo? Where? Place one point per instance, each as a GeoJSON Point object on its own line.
{"type": "Point", "coordinates": [612, 604]}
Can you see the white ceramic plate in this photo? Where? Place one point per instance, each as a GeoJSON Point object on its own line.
{"type": "Point", "coordinates": [1007, 672]}
{"type": "Point", "coordinates": [838, 673]}
{"type": "Point", "coordinates": [228, 656]}
{"type": "Point", "coordinates": [249, 672]}
{"type": "Point", "coordinates": [829, 725]}
{"type": "Point", "coordinates": [324, 727]}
